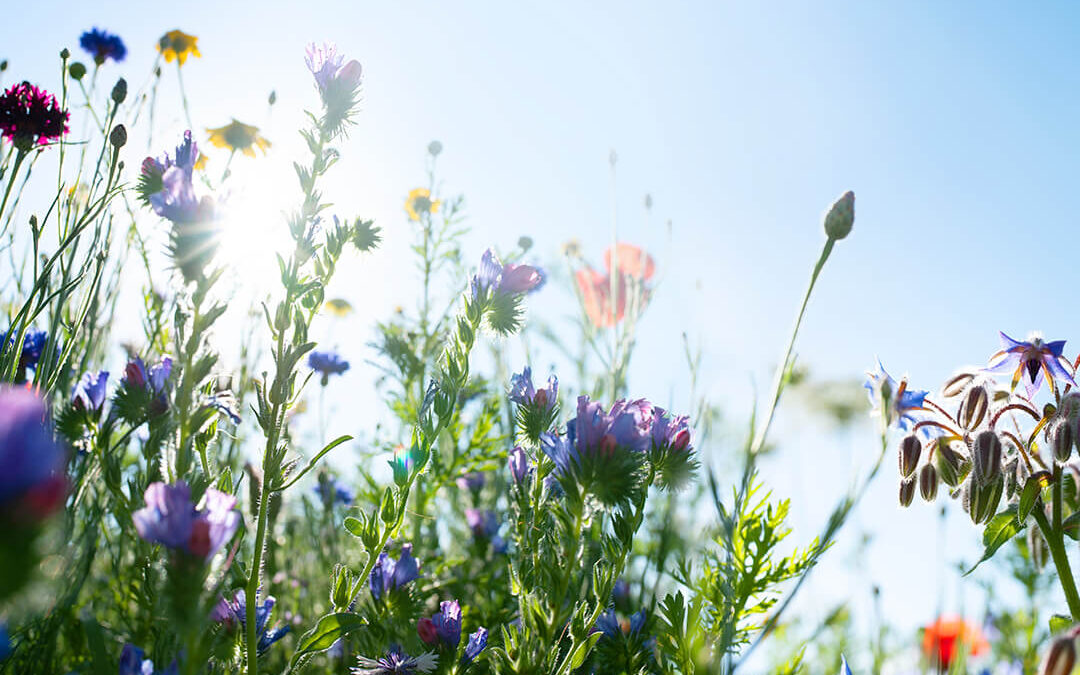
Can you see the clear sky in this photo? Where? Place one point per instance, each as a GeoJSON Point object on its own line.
{"type": "Point", "coordinates": [954, 123]}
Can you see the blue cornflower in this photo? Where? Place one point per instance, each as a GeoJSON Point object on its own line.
{"type": "Point", "coordinates": [389, 574]}
{"type": "Point", "coordinates": [31, 462]}
{"type": "Point", "coordinates": [234, 612]}
{"type": "Point", "coordinates": [476, 644]}
{"type": "Point", "coordinates": [333, 490]}
{"type": "Point", "coordinates": [89, 392]}
{"type": "Point", "coordinates": [396, 662]}
{"type": "Point", "coordinates": [132, 662]}
{"type": "Point", "coordinates": [895, 402]}
{"type": "Point", "coordinates": [327, 364]}
{"type": "Point", "coordinates": [169, 518]}
{"type": "Point", "coordinates": [103, 45]}
{"type": "Point", "coordinates": [1031, 360]}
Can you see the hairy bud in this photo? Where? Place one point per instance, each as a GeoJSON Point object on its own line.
{"type": "Point", "coordinates": [950, 465]}
{"type": "Point", "coordinates": [984, 499]}
{"type": "Point", "coordinates": [910, 449]}
{"type": "Point", "coordinates": [907, 491]}
{"type": "Point", "coordinates": [956, 384]}
{"type": "Point", "coordinates": [986, 457]}
{"type": "Point", "coordinates": [1061, 439]}
{"type": "Point", "coordinates": [1040, 552]}
{"type": "Point", "coordinates": [841, 217]}
{"type": "Point", "coordinates": [973, 410]}
{"type": "Point", "coordinates": [928, 482]}
{"type": "Point", "coordinates": [1060, 658]}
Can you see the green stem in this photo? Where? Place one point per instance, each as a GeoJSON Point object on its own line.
{"type": "Point", "coordinates": [20, 155]}
{"type": "Point", "coordinates": [1055, 542]}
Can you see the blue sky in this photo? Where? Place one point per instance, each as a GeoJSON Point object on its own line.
{"type": "Point", "coordinates": [955, 124]}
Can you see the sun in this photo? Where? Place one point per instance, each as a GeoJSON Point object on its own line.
{"type": "Point", "coordinates": [253, 228]}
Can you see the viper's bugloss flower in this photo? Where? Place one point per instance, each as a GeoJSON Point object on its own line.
{"type": "Point", "coordinates": [895, 401]}
{"type": "Point", "coordinates": [447, 623]}
{"type": "Point", "coordinates": [1030, 361]}
{"type": "Point", "coordinates": [171, 519]}
{"type": "Point", "coordinates": [670, 431]}
{"type": "Point", "coordinates": [627, 425]}
{"type": "Point", "coordinates": [476, 644]}
{"type": "Point", "coordinates": [232, 612]}
{"type": "Point", "coordinates": [509, 279]}
{"type": "Point", "coordinates": [151, 184]}
{"type": "Point", "coordinates": [151, 383]}
{"type": "Point", "coordinates": [942, 639]}
{"type": "Point", "coordinates": [523, 392]}
{"type": "Point", "coordinates": [29, 116]}
{"type": "Point", "coordinates": [519, 465]}
{"type": "Point", "coordinates": [472, 481]}
{"type": "Point", "coordinates": [485, 527]}
{"type": "Point", "coordinates": [176, 45]}
{"type": "Point", "coordinates": [333, 490]}
{"type": "Point", "coordinates": [844, 670]}
{"type": "Point", "coordinates": [133, 661]}
{"type": "Point", "coordinates": [327, 364]}
{"type": "Point", "coordinates": [419, 202]}
{"type": "Point", "coordinates": [103, 45]}
{"type": "Point", "coordinates": [330, 69]}
{"type": "Point", "coordinates": [90, 391]}
{"type": "Point", "coordinates": [5, 641]}
{"type": "Point", "coordinates": [32, 479]}
{"type": "Point", "coordinates": [389, 574]}
{"type": "Point", "coordinates": [396, 662]}
{"type": "Point", "coordinates": [611, 627]}
{"type": "Point", "coordinates": [238, 137]}
{"type": "Point", "coordinates": [33, 344]}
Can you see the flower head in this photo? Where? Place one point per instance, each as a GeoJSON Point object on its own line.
{"type": "Point", "coordinates": [1030, 361]}
{"type": "Point", "coordinates": [238, 137]}
{"type": "Point", "coordinates": [33, 344]}
{"type": "Point", "coordinates": [333, 490]}
{"type": "Point", "coordinates": [895, 401]}
{"type": "Point", "coordinates": [476, 644]}
{"type": "Point", "coordinates": [509, 279]}
{"type": "Point", "coordinates": [171, 519]}
{"type": "Point", "coordinates": [942, 639]}
{"type": "Point", "coordinates": [329, 68]}
{"type": "Point", "coordinates": [29, 116]}
{"type": "Point", "coordinates": [472, 481]}
{"type": "Point", "coordinates": [447, 623]}
{"type": "Point", "coordinates": [389, 574]}
{"type": "Point", "coordinates": [519, 465]}
{"type": "Point", "coordinates": [485, 527]}
{"type": "Point", "coordinates": [178, 45]}
{"type": "Point", "coordinates": [670, 431]}
{"type": "Point", "coordinates": [339, 307]}
{"type": "Point", "coordinates": [629, 269]}
{"type": "Point", "coordinates": [103, 45]}
{"type": "Point", "coordinates": [419, 202]}
{"type": "Point", "coordinates": [31, 462]}
{"type": "Point", "coordinates": [327, 364]}
{"type": "Point", "coordinates": [89, 392]}
{"type": "Point", "coordinates": [630, 260]}
{"type": "Point", "coordinates": [233, 612]}
{"type": "Point", "coordinates": [396, 662]}
{"type": "Point", "coordinates": [524, 393]}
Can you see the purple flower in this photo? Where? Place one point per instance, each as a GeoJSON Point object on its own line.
{"type": "Point", "coordinates": [477, 643]}
{"type": "Point", "coordinates": [608, 624]}
{"type": "Point", "coordinates": [170, 518]}
{"type": "Point", "coordinates": [154, 381]}
{"type": "Point", "coordinates": [132, 662]}
{"type": "Point", "coordinates": [523, 392]}
{"type": "Point", "coordinates": [519, 465]}
{"type": "Point", "coordinates": [485, 527]}
{"type": "Point", "coordinates": [326, 65]}
{"type": "Point", "coordinates": [901, 401]}
{"type": "Point", "coordinates": [234, 613]}
{"type": "Point", "coordinates": [33, 344]}
{"type": "Point", "coordinates": [333, 490]}
{"type": "Point", "coordinates": [327, 364]}
{"type": "Point", "coordinates": [1030, 361]}
{"type": "Point", "coordinates": [396, 662]}
{"type": "Point", "coordinates": [628, 425]}
{"type": "Point", "coordinates": [29, 115]}
{"type": "Point", "coordinates": [167, 184]}
{"type": "Point", "coordinates": [31, 462]}
{"type": "Point", "coordinates": [447, 623]}
{"type": "Point", "coordinates": [473, 481]}
{"type": "Point", "coordinates": [103, 45]}
{"type": "Point", "coordinates": [509, 279]}
{"type": "Point", "coordinates": [672, 432]}
{"type": "Point", "coordinates": [389, 574]}
{"type": "Point", "coordinates": [89, 392]}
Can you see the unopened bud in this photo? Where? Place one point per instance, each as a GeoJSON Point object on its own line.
{"type": "Point", "coordinates": [841, 216]}
{"type": "Point", "coordinates": [984, 500]}
{"type": "Point", "coordinates": [65, 54]}
{"type": "Point", "coordinates": [272, 98]}
{"type": "Point", "coordinates": [525, 243]}
{"type": "Point", "coordinates": [1012, 481]}
{"type": "Point", "coordinates": [986, 457]}
{"type": "Point", "coordinates": [910, 449]}
{"type": "Point", "coordinates": [973, 410]}
{"type": "Point", "coordinates": [118, 137]}
{"type": "Point", "coordinates": [119, 91]}
{"type": "Point", "coordinates": [3, 65]}
{"type": "Point", "coordinates": [1061, 657]}
{"type": "Point", "coordinates": [956, 384]}
{"type": "Point", "coordinates": [77, 70]}
{"type": "Point", "coordinates": [950, 465]}
{"type": "Point", "coordinates": [434, 148]}
{"type": "Point", "coordinates": [1061, 438]}
{"type": "Point", "coordinates": [928, 482]}
{"type": "Point", "coordinates": [1040, 552]}
{"type": "Point", "coordinates": [907, 491]}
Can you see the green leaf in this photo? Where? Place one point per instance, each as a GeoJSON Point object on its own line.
{"type": "Point", "coordinates": [1059, 623]}
{"type": "Point", "coordinates": [1001, 528]}
{"type": "Point", "coordinates": [1071, 526]}
{"type": "Point", "coordinates": [1028, 497]}
{"type": "Point", "coordinates": [354, 526]}
{"type": "Point", "coordinates": [329, 630]}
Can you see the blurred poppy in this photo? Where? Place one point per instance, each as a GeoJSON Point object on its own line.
{"type": "Point", "coordinates": [633, 261]}
{"type": "Point", "coordinates": [942, 638]}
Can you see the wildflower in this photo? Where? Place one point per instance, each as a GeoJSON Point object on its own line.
{"type": "Point", "coordinates": [237, 136]}
{"type": "Point", "coordinates": [31, 462]}
{"type": "Point", "coordinates": [476, 644]}
{"type": "Point", "coordinates": [234, 613]}
{"type": "Point", "coordinates": [326, 65]}
{"type": "Point", "coordinates": [472, 481]}
{"type": "Point", "coordinates": [627, 425]}
{"type": "Point", "coordinates": [29, 116]}
{"type": "Point", "coordinates": [609, 624]}
{"type": "Point", "coordinates": [523, 392]}
{"type": "Point", "coordinates": [447, 623]}
{"type": "Point", "coordinates": [225, 403]}
{"type": "Point", "coordinates": [327, 364]}
{"type": "Point", "coordinates": [33, 344]}
{"type": "Point", "coordinates": [89, 392]}
{"type": "Point", "coordinates": [152, 382]}
{"type": "Point", "coordinates": [509, 279]}
{"type": "Point", "coordinates": [333, 490]}
{"type": "Point", "coordinates": [485, 527]}
{"type": "Point", "coordinates": [339, 307]}
{"type": "Point", "coordinates": [941, 639]}
{"type": "Point", "coordinates": [631, 260]}
{"type": "Point", "coordinates": [178, 45]}
{"type": "Point", "coordinates": [419, 202]}
{"type": "Point", "coordinates": [388, 574]}
{"type": "Point", "coordinates": [170, 518]}
{"type": "Point", "coordinates": [396, 662]}
{"type": "Point", "coordinates": [519, 465]}
{"type": "Point", "coordinates": [896, 402]}
{"type": "Point", "coordinates": [103, 45]}
{"type": "Point", "coordinates": [595, 289]}
{"type": "Point", "coordinates": [133, 663]}
{"type": "Point", "coordinates": [1030, 361]}
{"type": "Point", "coordinates": [672, 432]}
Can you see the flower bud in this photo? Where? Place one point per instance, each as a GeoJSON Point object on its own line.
{"type": "Point", "coordinates": [984, 500]}
{"type": "Point", "coordinates": [65, 54]}
{"type": "Point", "coordinates": [1060, 658]}
{"type": "Point", "coordinates": [119, 91]}
{"type": "Point", "coordinates": [525, 243]}
{"type": "Point", "coordinates": [950, 465]}
{"type": "Point", "coordinates": [841, 216]}
{"type": "Point", "coordinates": [1061, 438]}
{"type": "Point", "coordinates": [434, 148]}
{"type": "Point", "coordinates": [928, 482]}
{"type": "Point", "coordinates": [910, 449]}
{"type": "Point", "coordinates": [907, 491]}
{"type": "Point", "coordinates": [118, 137]}
{"type": "Point", "coordinates": [77, 71]}
{"type": "Point", "coordinates": [986, 457]}
{"type": "Point", "coordinates": [272, 99]}
{"type": "Point", "coordinates": [956, 384]}
{"type": "Point", "coordinates": [1040, 552]}
{"type": "Point", "coordinates": [973, 410]}
{"type": "Point", "coordinates": [3, 65]}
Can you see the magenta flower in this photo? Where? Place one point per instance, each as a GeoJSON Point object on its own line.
{"type": "Point", "coordinates": [1030, 361]}
{"type": "Point", "coordinates": [29, 115]}
{"type": "Point", "coordinates": [523, 392]}
{"type": "Point", "coordinates": [169, 518]}
{"type": "Point", "coordinates": [670, 431]}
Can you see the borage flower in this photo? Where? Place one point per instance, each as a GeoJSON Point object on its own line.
{"type": "Point", "coordinates": [103, 45]}
{"type": "Point", "coordinates": [32, 482]}
{"type": "Point", "coordinates": [396, 662]}
{"type": "Point", "coordinates": [169, 518]}
{"type": "Point", "coordinates": [29, 116]}
{"type": "Point", "coordinates": [178, 45]}
{"type": "Point", "coordinates": [233, 612]}
{"type": "Point", "coordinates": [327, 364]}
{"type": "Point", "coordinates": [447, 623]}
{"type": "Point", "coordinates": [238, 137]}
{"type": "Point", "coordinates": [419, 202]}
{"type": "Point", "coordinates": [1030, 361]}
{"type": "Point", "coordinates": [896, 402]}
{"type": "Point", "coordinates": [389, 574]}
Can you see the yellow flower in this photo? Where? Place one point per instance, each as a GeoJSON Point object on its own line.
{"type": "Point", "coordinates": [339, 307]}
{"type": "Point", "coordinates": [177, 44]}
{"type": "Point", "coordinates": [419, 203]}
{"type": "Point", "coordinates": [239, 136]}
{"type": "Point", "coordinates": [200, 163]}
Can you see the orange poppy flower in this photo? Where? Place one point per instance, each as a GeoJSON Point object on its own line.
{"type": "Point", "coordinates": [596, 295]}
{"type": "Point", "coordinates": [633, 261]}
{"type": "Point", "coordinates": [941, 638]}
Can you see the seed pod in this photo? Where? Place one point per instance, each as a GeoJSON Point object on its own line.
{"type": "Point", "coordinates": [907, 491]}
{"type": "Point", "coordinates": [985, 500]}
{"type": "Point", "coordinates": [949, 463]}
{"type": "Point", "coordinates": [956, 384]}
{"type": "Point", "coordinates": [986, 457]}
{"type": "Point", "coordinates": [928, 482]}
{"type": "Point", "coordinates": [1040, 552]}
{"type": "Point", "coordinates": [973, 410]}
{"type": "Point", "coordinates": [910, 449]}
{"type": "Point", "coordinates": [1060, 658]}
{"type": "Point", "coordinates": [1061, 438]}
